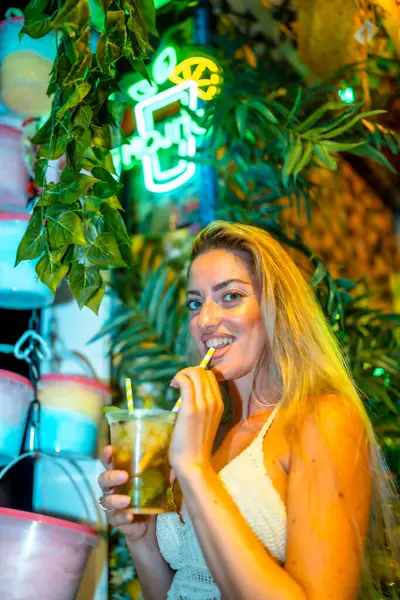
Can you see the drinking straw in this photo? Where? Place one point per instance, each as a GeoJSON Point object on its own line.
{"type": "Point", "coordinates": [129, 393]}
{"type": "Point", "coordinates": [202, 365]}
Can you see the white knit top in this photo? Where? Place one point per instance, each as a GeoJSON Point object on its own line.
{"type": "Point", "coordinates": [259, 502]}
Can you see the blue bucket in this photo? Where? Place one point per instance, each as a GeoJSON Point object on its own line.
{"type": "Point", "coordinates": [20, 288]}
{"type": "Point", "coordinates": [16, 393]}
{"type": "Point", "coordinates": [71, 413]}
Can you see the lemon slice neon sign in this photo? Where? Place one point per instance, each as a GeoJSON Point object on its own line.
{"type": "Point", "coordinates": [195, 78]}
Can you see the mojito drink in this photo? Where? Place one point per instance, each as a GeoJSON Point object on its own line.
{"type": "Point", "coordinates": [141, 439]}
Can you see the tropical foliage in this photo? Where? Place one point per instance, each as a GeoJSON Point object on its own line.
{"type": "Point", "coordinates": [76, 229]}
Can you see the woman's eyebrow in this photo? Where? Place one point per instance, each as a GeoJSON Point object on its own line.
{"type": "Point", "coordinates": [219, 286]}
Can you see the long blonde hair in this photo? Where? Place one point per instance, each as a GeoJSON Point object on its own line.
{"type": "Point", "coordinates": [305, 360]}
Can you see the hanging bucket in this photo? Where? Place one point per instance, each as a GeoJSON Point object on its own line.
{"type": "Point", "coordinates": [20, 288]}
{"type": "Point", "coordinates": [13, 170]}
{"type": "Point", "coordinates": [25, 66]}
{"type": "Point", "coordinates": [71, 413]}
{"type": "Point", "coordinates": [42, 557]}
{"type": "Point", "coordinates": [16, 393]}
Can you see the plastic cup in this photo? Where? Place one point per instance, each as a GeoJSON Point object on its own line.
{"type": "Point", "coordinates": [141, 440]}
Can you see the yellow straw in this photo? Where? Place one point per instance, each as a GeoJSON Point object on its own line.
{"type": "Point", "coordinates": [202, 365]}
{"type": "Point", "coordinates": [129, 393]}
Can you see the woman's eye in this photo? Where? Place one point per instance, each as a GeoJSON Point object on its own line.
{"type": "Point", "coordinates": [232, 296]}
{"type": "Point", "coordinates": [193, 304]}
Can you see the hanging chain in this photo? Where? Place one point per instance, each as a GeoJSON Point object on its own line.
{"type": "Point", "coordinates": [36, 350]}
{"type": "Point", "coordinates": [32, 348]}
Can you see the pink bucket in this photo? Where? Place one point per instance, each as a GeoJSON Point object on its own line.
{"type": "Point", "coordinates": [42, 557]}
{"type": "Point", "coordinates": [14, 176]}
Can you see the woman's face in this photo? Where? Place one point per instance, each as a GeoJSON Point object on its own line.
{"type": "Point", "coordinates": [224, 304]}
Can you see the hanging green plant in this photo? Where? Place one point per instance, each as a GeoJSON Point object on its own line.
{"type": "Point", "coordinates": [77, 229]}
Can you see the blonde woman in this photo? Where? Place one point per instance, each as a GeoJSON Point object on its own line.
{"type": "Point", "coordinates": [285, 499]}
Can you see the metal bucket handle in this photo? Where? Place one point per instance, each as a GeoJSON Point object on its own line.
{"type": "Point", "coordinates": [55, 460]}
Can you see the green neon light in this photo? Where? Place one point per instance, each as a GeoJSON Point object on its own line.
{"type": "Point", "coordinates": [164, 64]}
{"type": "Point", "coordinates": [196, 77]}
{"type": "Point", "coordinates": [162, 68]}
{"type": "Point", "coordinates": [347, 95]}
{"type": "Point", "coordinates": [180, 131]}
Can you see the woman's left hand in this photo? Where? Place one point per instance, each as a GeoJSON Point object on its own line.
{"type": "Point", "coordinates": [197, 422]}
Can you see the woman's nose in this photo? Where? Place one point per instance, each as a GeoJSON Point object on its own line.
{"type": "Point", "coordinates": [210, 315]}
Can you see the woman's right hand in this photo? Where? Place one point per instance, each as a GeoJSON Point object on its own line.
{"type": "Point", "coordinates": [133, 527]}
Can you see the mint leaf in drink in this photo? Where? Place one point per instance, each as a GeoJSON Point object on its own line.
{"type": "Point", "coordinates": [107, 409]}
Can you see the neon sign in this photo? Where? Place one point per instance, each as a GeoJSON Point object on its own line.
{"type": "Point", "coordinates": [195, 78]}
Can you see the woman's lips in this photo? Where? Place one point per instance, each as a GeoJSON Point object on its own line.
{"type": "Point", "coordinates": [219, 352]}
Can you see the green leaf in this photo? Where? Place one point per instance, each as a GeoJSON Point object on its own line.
{"type": "Point", "coordinates": [103, 175]}
{"type": "Point", "coordinates": [143, 351]}
{"type": "Point", "coordinates": [291, 159]}
{"type": "Point", "coordinates": [101, 136]}
{"type": "Point", "coordinates": [340, 146]}
{"type": "Point", "coordinates": [346, 284]}
{"type": "Point", "coordinates": [84, 282]}
{"type": "Point", "coordinates": [370, 152]}
{"type": "Point", "coordinates": [166, 305]}
{"type": "Point", "coordinates": [241, 118]}
{"type": "Point", "coordinates": [114, 323]}
{"type": "Point", "coordinates": [57, 208]}
{"type": "Point", "coordinates": [37, 23]}
{"type": "Point", "coordinates": [149, 289]}
{"type": "Point", "coordinates": [157, 294]}
{"type": "Point", "coordinates": [33, 242]}
{"type": "Point", "coordinates": [323, 155]}
{"type": "Point", "coordinates": [107, 409]}
{"type": "Point", "coordinates": [340, 130]}
{"type": "Point", "coordinates": [148, 13]}
{"type": "Point", "coordinates": [319, 274]}
{"type": "Point", "coordinates": [79, 94]}
{"type": "Point", "coordinates": [83, 116]}
{"type": "Point", "coordinates": [71, 192]}
{"type": "Point", "coordinates": [296, 105]}
{"type": "Point", "coordinates": [40, 169]}
{"type": "Point", "coordinates": [115, 223]}
{"type": "Point", "coordinates": [104, 190]}
{"type": "Point", "coordinates": [168, 362]}
{"type": "Point", "coordinates": [160, 375]}
{"type": "Point", "coordinates": [51, 272]}
{"type": "Point", "coordinates": [65, 229]}
{"type": "Point", "coordinates": [104, 252]}
{"type": "Point", "coordinates": [377, 392]}
{"type": "Point", "coordinates": [73, 15]}
{"type": "Point", "coordinates": [56, 146]}
{"type": "Point", "coordinates": [42, 136]}
{"type": "Point", "coordinates": [305, 159]}
{"type": "Point", "coordinates": [105, 159]}
{"type": "Point", "coordinates": [182, 337]}
{"type": "Point", "coordinates": [96, 299]}
{"type": "Point", "coordinates": [317, 115]}
{"type": "Point", "coordinates": [264, 111]}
